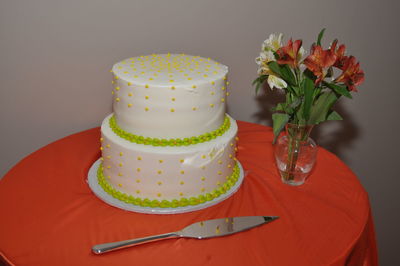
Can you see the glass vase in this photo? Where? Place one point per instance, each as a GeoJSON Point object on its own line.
{"type": "Point", "coordinates": [295, 154]}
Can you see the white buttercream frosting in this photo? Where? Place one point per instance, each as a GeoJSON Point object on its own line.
{"type": "Point", "coordinates": [169, 95]}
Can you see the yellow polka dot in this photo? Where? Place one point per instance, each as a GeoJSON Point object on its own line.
{"type": "Point", "coordinates": [112, 82]}
{"type": "Point", "coordinates": [180, 194]}
{"type": "Point", "coordinates": [120, 67]}
{"type": "Point", "coordinates": [173, 88]}
{"type": "Point", "coordinates": [203, 167]}
{"type": "Point", "coordinates": [218, 183]}
{"type": "Point", "coordinates": [205, 75]}
{"type": "Point", "coordinates": [182, 172]}
{"type": "Point", "coordinates": [150, 78]}
{"type": "Point", "coordinates": [135, 76]}
{"type": "Point", "coordinates": [194, 87]}
{"type": "Point", "coordinates": [117, 99]}
{"type": "Point", "coordinates": [181, 160]}
{"type": "Point", "coordinates": [229, 166]}
{"type": "Point", "coordinates": [108, 146]}
{"type": "Point", "coordinates": [159, 183]}
{"type": "Point", "coordinates": [121, 154]}
{"type": "Point", "coordinates": [137, 191]}
{"type": "Point", "coordinates": [227, 94]}
{"type": "Point", "coordinates": [116, 77]}
{"type": "Point", "coordinates": [139, 158]}
{"type": "Point", "coordinates": [231, 144]}
{"type": "Point", "coordinates": [189, 78]}
{"type": "Point", "coordinates": [194, 108]}
{"type": "Point", "coordinates": [159, 195]}
{"type": "Point", "coordinates": [146, 109]}
{"type": "Point", "coordinates": [130, 94]}
{"type": "Point", "coordinates": [120, 174]}
{"type": "Point", "coordinates": [225, 78]}
{"type": "Point", "coordinates": [223, 88]}
{"type": "Point", "coordinates": [171, 80]}
{"type": "Point", "coordinates": [120, 164]}
{"type": "Point", "coordinates": [211, 105]}
{"type": "Point", "coordinates": [109, 177]}
{"type": "Point", "coordinates": [219, 162]}
{"type": "Point", "coordinates": [129, 105]}
{"type": "Point", "coordinates": [212, 93]}
{"type": "Point", "coordinates": [138, 181]}
{"type": "Point", "coordinates": [230, 156]}
{"type": "Point", "coordinates": [219, 173]}
{"type": "Point", "coordinates": [212, 83]}
{"type": "Point", "coordinates": [181, 183]}
{"type": "Point", "coordinates": [203, 178]}
{"type": "Point", "coordinates": [129, 84]}
{"type": "Point", "coordinates": [112, 92]}
{"type": "Point", "coordinates": [101, 159]}
{"type": "Point", "coordinates": [227, 83]}
{"type": "Point", "coordinates": [101, 148]}
{"type": "Point", "coordinates": [108, 156]}
{"type": "Point", "coordinates": [138, 169]}
{"type": "Point", "coordinates": [108, 166]}
{"type": "Point", "coordinates": [159, 172]}
{"type": "Point", "coordinates": [160, 161]}
{"type": "Point", "coordinates": [146, 86]}
{"type": "Point", "coordinates": [173, 99]}
{"type": "Point", "coordinates": [223, 100]}
{"type": "Point", "coordinates": [203, 156]}
{"type": "Point", "coordinates": [119, 185]}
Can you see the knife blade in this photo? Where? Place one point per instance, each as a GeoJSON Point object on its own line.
{"type": "Point", "coordinates": [198, 230]}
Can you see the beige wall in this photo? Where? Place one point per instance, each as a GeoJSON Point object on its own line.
{"type": "Point", "coordinates": [55, 57]}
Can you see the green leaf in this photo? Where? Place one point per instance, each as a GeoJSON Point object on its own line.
{"type": "Point", "coordinates": [308, 88]}
{"type": "Point", "coordinates": [320, 35]}
{"type": "Point", "coordinates": [340, 89]}
{"type": "Point", "coordinates": [287, 74]}
{"type": "Point", "coordinates": [280, 107]}
{"type": "Point", "coordinates": [279, 122]}
{"type": "Point", "coordinates": [334, 116]}
{"type": "Point", "coordinates": [322, 107]}
{"type": "Point", "coordinates": [274, 66]}
{"type": "Point", "coordinates": [259, 82]}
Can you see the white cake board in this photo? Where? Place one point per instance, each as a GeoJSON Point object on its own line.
{"type": "Point", "coordinates": [99, 192]}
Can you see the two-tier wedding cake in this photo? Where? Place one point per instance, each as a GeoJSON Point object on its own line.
{"type": "Point", "coordinates": [168, 143]}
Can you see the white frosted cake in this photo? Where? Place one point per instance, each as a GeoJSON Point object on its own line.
{"type": "Point", "coordinates": [169, 142]}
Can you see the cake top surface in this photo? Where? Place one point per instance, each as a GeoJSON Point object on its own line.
{"type": "Point", "coordinates": [169, 70]}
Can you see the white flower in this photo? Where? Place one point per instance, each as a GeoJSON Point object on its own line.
{"type": "Point", "coordinates": [265, 57]}
{"type": "Point", "coordinates": [275, 82]}
{"type": "Point", "coordinates": [273, 43]}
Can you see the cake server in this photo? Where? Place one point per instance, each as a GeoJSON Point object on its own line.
{"type": "Point", "coordinates": [199, 230]}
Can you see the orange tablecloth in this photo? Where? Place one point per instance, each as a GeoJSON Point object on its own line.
{"type": "Point", "coordinates": [49, 216]}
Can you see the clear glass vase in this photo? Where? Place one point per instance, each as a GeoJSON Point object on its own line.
{"type": "Point", "coordinates": [295, 154]}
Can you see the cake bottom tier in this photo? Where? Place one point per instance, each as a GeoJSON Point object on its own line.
{"type": "Point", "coordinates": [167, 176]}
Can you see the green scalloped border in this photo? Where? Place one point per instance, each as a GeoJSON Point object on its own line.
{"type": "Point", "coordinates": [168, 203]}
{"type": "Point", "coordinates": [169, 142]}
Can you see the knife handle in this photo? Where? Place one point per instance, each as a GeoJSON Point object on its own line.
{"type": "Point", "coordinates": [107, 247]}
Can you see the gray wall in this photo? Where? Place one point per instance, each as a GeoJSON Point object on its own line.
{"type": "Point", "coordinates": [55, 57]}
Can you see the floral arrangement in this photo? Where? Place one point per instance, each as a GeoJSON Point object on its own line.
{"type": "Point", "coordinates": [312, 84]}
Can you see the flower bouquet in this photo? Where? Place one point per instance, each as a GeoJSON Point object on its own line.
{"type": "Point", "coordinates": [312, 85]}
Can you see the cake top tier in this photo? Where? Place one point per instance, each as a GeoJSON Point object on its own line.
{"type": "Point", "coordinates": [169, 70]}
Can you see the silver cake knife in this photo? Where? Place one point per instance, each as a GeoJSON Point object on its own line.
{"type": "Point", "coordinates": [199, 230]}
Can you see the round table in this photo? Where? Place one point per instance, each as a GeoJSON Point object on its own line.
{"type": "Point", "coordinates": [49, 216]}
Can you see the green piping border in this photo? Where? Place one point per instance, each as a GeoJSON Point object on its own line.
{"type": "Point", "coordinates": [168, 203]}
{"type": "Point", "coordinates": [169, 142]}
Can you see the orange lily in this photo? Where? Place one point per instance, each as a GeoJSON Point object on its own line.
{"type": "Point", "coordinates": [352, 75]}
{"type": "Point", "coordinates": [340, 57]}
{"type": "Point", "coordinates": [289, 54]}
{"type": "Point", "coordinates": [319, 61]}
